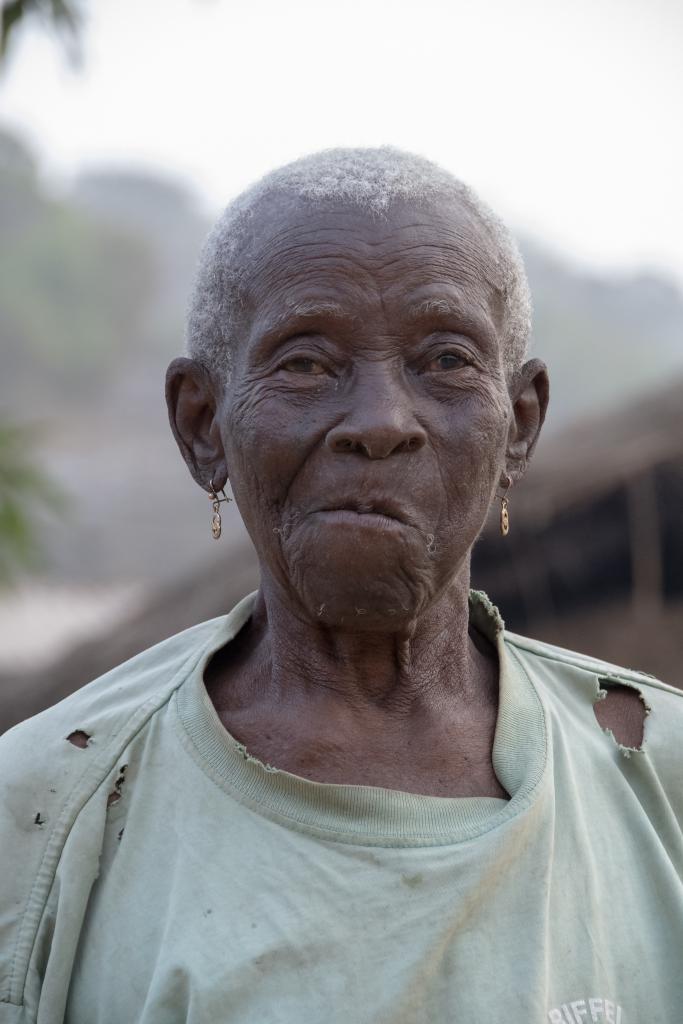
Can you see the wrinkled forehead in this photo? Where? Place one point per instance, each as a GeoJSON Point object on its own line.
{"type": "Point", "coordinates": [298, 251]}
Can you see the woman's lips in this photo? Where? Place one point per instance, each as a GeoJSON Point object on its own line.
{"type": "Point", "coordinates": [377, 505]}
{"type": "Point", "coordinates": [357, 518]}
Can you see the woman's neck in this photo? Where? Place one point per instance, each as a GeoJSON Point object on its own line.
{"type": "Point", "coordinates": [412, 710]}
{"type": "Point", "coordinates": [424, 663]}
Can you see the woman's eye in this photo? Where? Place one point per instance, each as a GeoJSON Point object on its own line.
{"type": "Point", "coordinates": [302, 364]}
{"type": "Point", "coordinates": [447, 361]}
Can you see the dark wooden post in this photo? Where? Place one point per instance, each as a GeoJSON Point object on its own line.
{"type": "Point", "coordinates": [646, 545]}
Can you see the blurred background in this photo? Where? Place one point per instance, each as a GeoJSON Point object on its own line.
{"type": "Point", "coordinates": [125, 127]}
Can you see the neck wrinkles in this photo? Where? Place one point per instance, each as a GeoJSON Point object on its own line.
{"type": "Point", "coordinates": [433, 660]}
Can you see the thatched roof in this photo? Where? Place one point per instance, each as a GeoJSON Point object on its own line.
{"type": "Point", "coordinates": [211, 590]}
{"type": "Point", "coordinates": [576, 466]}
{"type": "Point", "coordinates": [596, 456]}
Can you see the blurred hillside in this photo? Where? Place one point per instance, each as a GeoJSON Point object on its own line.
{"type": "Point", "coordinates": [93, 286]}
{"type": "Point", "coordinates": [605, 339]}
{"type": "Point", "coordinates": [90, 283]}
{"type": "Point", "coordinates": [73, 291]}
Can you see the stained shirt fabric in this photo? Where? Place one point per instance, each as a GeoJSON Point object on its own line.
{"type": "Point", "coordinates": [162, 875]}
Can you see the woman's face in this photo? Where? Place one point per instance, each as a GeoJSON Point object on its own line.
{"type": "Point", "coordinates": [366, 421]}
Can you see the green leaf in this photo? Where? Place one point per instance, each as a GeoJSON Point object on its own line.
{"type": "Point", "coordinates": [12, 13]}
{"type": "Point", "coordinates": [24, 489]}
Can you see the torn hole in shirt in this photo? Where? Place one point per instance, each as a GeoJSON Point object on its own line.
{"type": "Point", "coordinates": [621, 710]}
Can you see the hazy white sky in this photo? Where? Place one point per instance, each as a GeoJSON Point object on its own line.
{"type": "Point", "coordinates": [565, 115]}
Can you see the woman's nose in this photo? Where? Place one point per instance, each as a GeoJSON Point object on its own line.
{"type": "Point", "coordinates": [377, 426]}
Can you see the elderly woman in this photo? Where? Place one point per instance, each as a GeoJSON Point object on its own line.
{"type": "Point", "coordinates": [355, 798]}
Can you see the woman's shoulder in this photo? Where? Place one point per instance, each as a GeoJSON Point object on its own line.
{"type": "Point", "coordinates": [565, 663]}
{"type": "Point", "coordinates": [645, 706]}
{"type": "Point", "coordinates": [42, 758]}
{"type": "Point", "coordinates": [61, 765]}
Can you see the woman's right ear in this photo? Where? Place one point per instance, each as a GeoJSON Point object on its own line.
{"type": "Point", "coordinates": [192, 412]}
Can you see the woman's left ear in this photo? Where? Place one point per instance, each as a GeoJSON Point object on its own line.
{"type": "Point", "coordinates": [192, 411]}
{"type": "Point", "coordinates": [529, 392]}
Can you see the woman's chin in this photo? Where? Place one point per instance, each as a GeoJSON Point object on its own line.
{"type": "Point", "coordinates": [361, 583]}
{"type": "Point", "coordinates": [361, 603]}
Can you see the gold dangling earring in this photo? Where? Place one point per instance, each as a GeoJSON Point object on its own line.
{"type": "Point", "coordinates": [216, 506]}
{"type": "Point", "coordinates": [504, 509]}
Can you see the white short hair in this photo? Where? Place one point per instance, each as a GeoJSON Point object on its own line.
{"type": "Point", "coordinates": [367, 179]}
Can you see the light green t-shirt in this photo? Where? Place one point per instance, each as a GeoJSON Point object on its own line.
{"type": "Point", "coordinates": [162, 875]}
